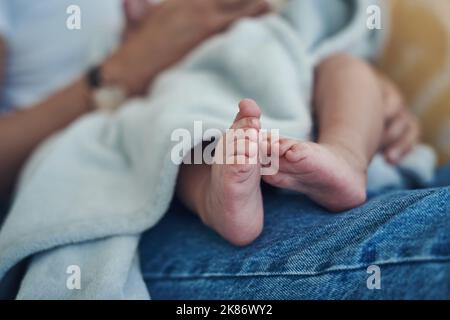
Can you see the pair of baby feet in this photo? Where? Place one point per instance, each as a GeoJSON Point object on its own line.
{"type": "Point", "coordinates": [233, 203]}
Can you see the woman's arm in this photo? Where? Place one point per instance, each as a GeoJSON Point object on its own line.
{"type": "Point", "coordinates": [165, 36]}
{"type": "Point", "coordinates": [22, 131]}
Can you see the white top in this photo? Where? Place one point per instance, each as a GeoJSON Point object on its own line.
{"type": "Point", "coordinates": [43, 54]}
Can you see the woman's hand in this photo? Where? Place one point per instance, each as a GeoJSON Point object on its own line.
{"type": "Point", "coordinates": [168, 33]}
{"type": "Point", "coordinates": [402, 130]}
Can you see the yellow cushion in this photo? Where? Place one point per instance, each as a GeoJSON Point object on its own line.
{"type": "Point", "coordinates": [417, 57]}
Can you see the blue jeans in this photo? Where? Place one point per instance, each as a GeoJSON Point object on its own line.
{"type": "Point", "coordinates": [308, 253]}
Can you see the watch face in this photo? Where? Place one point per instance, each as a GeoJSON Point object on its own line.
{"type": "Point", "coordinates": [277, 5]}
{"type": "Point", "coordinates": [109, 98]}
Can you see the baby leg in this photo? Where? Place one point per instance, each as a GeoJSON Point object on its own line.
{"type": "Point", "coordinates": [348, 111]}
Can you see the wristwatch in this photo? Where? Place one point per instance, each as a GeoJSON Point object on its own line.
{"type": "Point", "coordinates": [105, 97]}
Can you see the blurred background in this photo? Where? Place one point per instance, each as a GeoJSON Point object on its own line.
{"type": "Point", "coordinates": [417, 57]}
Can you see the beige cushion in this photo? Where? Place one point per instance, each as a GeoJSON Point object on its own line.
{"type": "Point", "coordinates": [417, 57]}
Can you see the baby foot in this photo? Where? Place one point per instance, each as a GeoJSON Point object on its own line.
{"type": "Point", "coordinates": [233, 202]}
{"type": "Point", "coordinates": [329, 175]}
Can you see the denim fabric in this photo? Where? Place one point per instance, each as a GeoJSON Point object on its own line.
{"type": "Point", "coordinates": [308, 253]}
